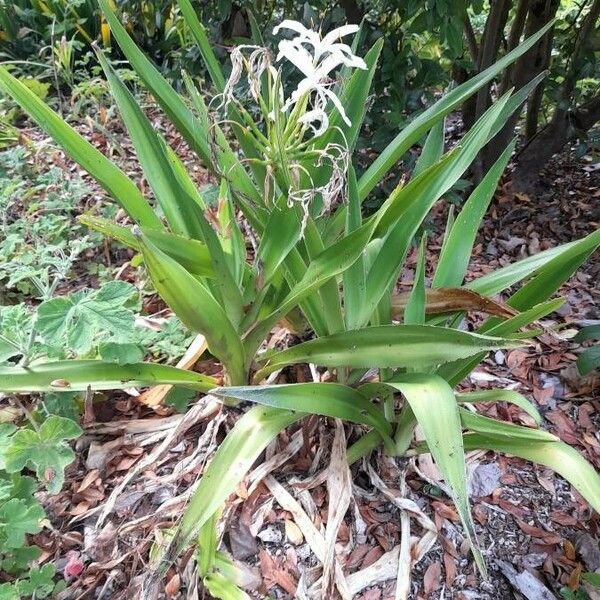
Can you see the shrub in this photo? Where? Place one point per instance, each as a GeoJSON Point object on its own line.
{"type": "Point", "coordinates": [316, 261]}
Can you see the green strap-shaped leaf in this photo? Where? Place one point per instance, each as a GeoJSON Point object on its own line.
{"type": "Point", "coordinates": [205, 47]}
{"type": "Point", "coordinates": [402, 214]}
{"type": "Point", "coordinates": [181, 211]}
{"type": "Point", "coordinates": [410, 134]}
{"type": "Point", "coordinates": [456, 249]}
{"type": "Point", "coordinates": [415, 346]}
{"type": "Point", "coordinates": [326, 399]}
{"type": "Point", "coordinates": [433, 149]}
{"type": "Point", "coordinates": [501, 279]}
{"type": "Point", "coordinates": [486, 425]}
{"type": "Point", "coordinates": [281, 235]}
{"type": "Point", "coordinates": [457, 371]}
{"type": "Point", "coordinates": [192, 254]}
{"type": "Point", "coordinates": [330, 263]}
{"type": "Point", "coordinates": [559, 457]}
{"type": "Point", "coordinates": [432, 402]}
{"type": "Point", "coordinates": [236, 454]}
{"type": "Point", "coordinates": [166, 96]}
{"type": "Point", "coordinates": [107, 174]}
{"type": "Point", "coordinates": [509, 396]}
{"type": "Point", "coordinates": [196, 307]}
{"type": "Point", "coordinates": [78, 375]}
{"type": "Point", "coordinates": [354, 275]}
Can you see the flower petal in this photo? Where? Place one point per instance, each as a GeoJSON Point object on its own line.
{"type": "Point", "coordinates": [338, 33]}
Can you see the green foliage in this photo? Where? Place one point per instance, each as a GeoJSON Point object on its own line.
{"type": "Point", "coordinates": [294, 174]}
{"type": "Point", "coordinates": [589, 359]}
{"type": "Point", "coordinates": [43, 449]}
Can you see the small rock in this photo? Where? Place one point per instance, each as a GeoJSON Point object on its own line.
{"type": "Point", "coordinates": [271, 534]}
{"type": "Point", "coordinates": [589, 551]}
{"type": "Point", "coordinates": [484, 479]}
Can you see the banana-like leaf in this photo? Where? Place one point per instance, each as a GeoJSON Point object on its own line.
{"type": "Point", "coordinates": [486, 425]}
{"type": "Point", "coordinates": [559, 457]}
{"type": "Point", "coordinates": [447, 300]}
{"type": "Point", "coordinates": [107, 174]}
{"type": "Point", "coordinates": [415, 346]}
{"type": "Point", "coordinates": [411, 134]}
{"type": "Point", "coordinates": [196, 307]}
{"type": "Point", "coordinates": [251, 434]}
{"type": "Point", "coordinates": [456, 249]}
{"type": "Point", "coordinates": [432, 402]}
{"type": "Point", "coordinates": [509, 396]}
{"type": "Point", "coordinates": [326, 399]}
{"type": "Point", "coordinates": [78, 375]}
{"type": "Point", "coordinates": [181, 212]}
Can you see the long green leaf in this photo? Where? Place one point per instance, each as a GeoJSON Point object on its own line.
{"type": "Point", "coordinates": [509, 396]}
{"type": "Point", "coordinates": [402, 214]}
{"type": "Point", "coordinates": [486, 425]}
{"type": "Point", "coordinates": [192, 254]}
{"type": "Point", "coordinates": [236, 454]}
{"type": "Point", "coordinates": [354, 275]}
{"type": "Point", "coordinates": [166, 96]}
{"type": "Point", "coordinates": [327, 399]}
{"type": "Point", "coordinates": [559, 457]}
{"type": "Point", "coordinates": [199, 33]}
{"type": "Point", "coordinates": [410, 134]}
{"type": "Point", "coordinates": [330, 263]}
{"type": "Point", "coordinates": [196, 307]}
{"type": "Point", "coordinates": [78, 375]}
{"type": "Point", "coordinates": [107, 174]}
{"type": "Point", "coordinates": [503, 278]}
{"type": "Point", "coordinates": [181, 211]}
{"type": "Point", "coordinates": [433, 148]}
{"type": "Point", "coordinates": [456, 249]}
{"type": "Point", "coordinates": [432, 402]}
{"type": "Point", "coordinates": [416, 346]}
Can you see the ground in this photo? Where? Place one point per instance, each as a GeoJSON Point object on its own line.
{"type": "Point", "coordinates": [527, 517]}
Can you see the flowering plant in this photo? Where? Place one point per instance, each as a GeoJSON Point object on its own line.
{"type": "Point", "coordinates": [288, 245]}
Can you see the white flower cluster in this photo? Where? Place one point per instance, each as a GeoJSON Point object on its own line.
{"type": "Point", "coordinates": [316, 58]}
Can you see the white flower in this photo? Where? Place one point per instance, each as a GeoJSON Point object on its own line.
{"type": "Point", "coordinates": [316, 58]}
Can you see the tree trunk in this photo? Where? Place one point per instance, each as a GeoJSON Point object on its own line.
{"type": "Point", "coordinates": [566, 123]}
{"type": "Point", "coordinates": [531, 64]}
{"type": "Point", "coordinates": [564, 127]}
